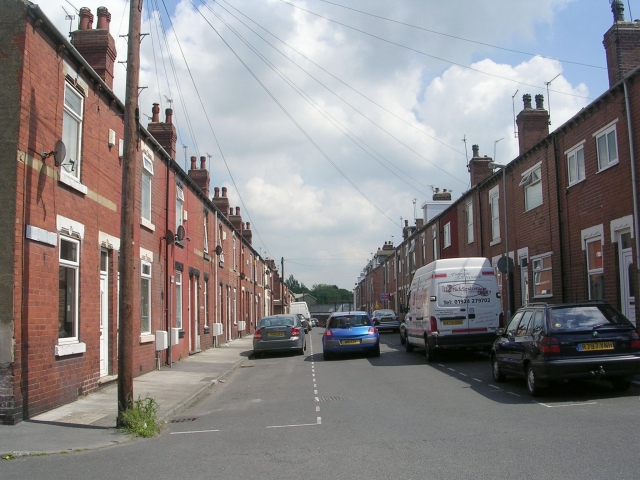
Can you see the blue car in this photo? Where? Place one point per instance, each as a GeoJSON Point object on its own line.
{"type": "Point", "coordinates": [348, 332]}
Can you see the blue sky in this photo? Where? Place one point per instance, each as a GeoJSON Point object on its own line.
{"type": "Point", "coordinates": [320, 199]}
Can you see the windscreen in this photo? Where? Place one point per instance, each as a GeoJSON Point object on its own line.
{"type": "Point", "coordinates": [383, 313]}
{"type": "Point", "coordinates": [277, 322]}
{"type": "Point", "coordinates": [348, 321]}
{"type": "Point", "coordinates": [585, 317]}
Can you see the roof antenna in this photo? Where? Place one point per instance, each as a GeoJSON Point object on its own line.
{"type": "Point", "coordinates": [548, 96]}
{"type": "Point", "coordinates": [515, 125]}
{"type": "Point", "coordinates": [69, 17]}
{"type": "Point", "coordinates": [466, 154]}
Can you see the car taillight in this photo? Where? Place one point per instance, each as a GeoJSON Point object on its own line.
{"type": "Point", "coordinates": [372, 330]}
{"type": "Point", "coordinates": [550, 345]}
{"type": "Point", "coordinates": [434, 325]}
{"type": "Point", "coordinates": [257, 335]}
{"type": "Point", "coordinates": [295, 332]}
{"type": "Point", "coordinates": [635, 341]}
{"type": "Point", "coordinates": [328, 333]}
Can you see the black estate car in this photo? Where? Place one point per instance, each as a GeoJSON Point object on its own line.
{"type": "Point", "coordinates": [585, 340]}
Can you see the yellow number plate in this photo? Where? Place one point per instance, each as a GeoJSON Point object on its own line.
{"type": "Point", "coordinates": [275, 334]}
{"type": "Point", "coordinates": [447, 323]}
{"type": "Point", "coordinates": [594, 346]}
{"type": "Point", "coordinates": [349, 342]}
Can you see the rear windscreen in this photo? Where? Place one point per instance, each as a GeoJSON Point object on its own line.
{"type": "Point", "coordinates": [277, 322]}
{"type": "Point", "coordinates": [585, 317]}
{"type": "Point", "coordinates": [348, 321]}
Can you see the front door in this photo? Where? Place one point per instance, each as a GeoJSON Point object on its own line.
{"type": "Point", "coordinates": [104, 314]}
{"type": "Point", "coordinates": [627, 287]}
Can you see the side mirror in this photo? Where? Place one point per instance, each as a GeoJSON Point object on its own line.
{"type": "Point", "coordinates": [500, 332]}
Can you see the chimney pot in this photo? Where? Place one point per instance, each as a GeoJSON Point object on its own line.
{"type": "Point", "coordinates": [224, 191]}
{"type": "Point", "coordinates": [104, 18]}
{"type": "Point", "coordinates": [193, 162]}
{"type": "Point", "coordinates": [526, 98]}
{"type": "Point", "coordinates": [248, 226]}
{"type": "Point", "coordinates": [231, 211]}
{"type": "Point", "coordinates": [539, 102]}
{"type": "Point", "coordinates": [86, 19]}
{"type": "Point", "coordinates": [476, 151]}
{"type": "Point", "coordinates": [216, 192]}
{"type": "Point", "coordinates": [155, 118]}
{"type": "Point", "coordinates": [238, 211]}
{"type": "Point", "coordinates": [203, 163]}
{"type": "Point", "coordinates": [617, 8]}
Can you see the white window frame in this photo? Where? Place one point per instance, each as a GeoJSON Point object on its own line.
{"type": "Point", "coordinates": [205, 247]}
{"type": "Point", "coordinates": [147, 176]}
{"type": "Point", "coordinates": [75, 266]}
{"type": "Point", "coordinates": [447, 235]}
{"type": "Point", "coordinates": [145, 276]}
{"type": "Point", "coordinates": [532, 179]}
{"type": "Point", "coordinates": [537, 266]}
{"type": "Point", "coordinates": [593, 271]}
{"type": "Point", "coordinates": [179, 207]}
{"type": "Point", "coordinates": [235, 259]}
{"type": "Point", "coordinates": [179, 299]}
{"type": "Point", "coordinates": [604, 133]}
{"type": "Point", "coordinates": [434, 243]}
{"type": "Point", "coordinates": [71, 166]}
{"type": "Point", "coordinates": [205, 299]}
{"type": "Point", "coordinates": [573, 159]}
{"type": "Point", "coordinates": [494, 194]}
{"type": "Point", "coordinates": [469, 211]}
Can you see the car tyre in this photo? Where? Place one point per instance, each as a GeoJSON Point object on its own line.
{"type": "Point", "coordinates": [429, 353]}
{"type": "Point", "coordinates": [407, 345]}
{"type": "Point", "coordinates": [498, 376]}
{"type": "Point", "coordinates": [402, 339]}
{"type": "Point", "coordinates": [376, 351]}
{"type": "Point", "coordinates": [532, 382]}
{"type": "Point", "coordinates": [304, 349]}
{"type": "Point", "coordinates": [620, 384]}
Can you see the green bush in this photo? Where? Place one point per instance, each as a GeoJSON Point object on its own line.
{"type": "Point", "coordinates": [141, 418]}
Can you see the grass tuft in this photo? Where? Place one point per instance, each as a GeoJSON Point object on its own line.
{"type": "Point", "coordinates": [141, 418]}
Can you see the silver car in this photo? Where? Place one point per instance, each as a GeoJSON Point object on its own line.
{"type": "Point", "coordinates": [386, 320]}
{"type": "Point", "coordinates": [279, 333]}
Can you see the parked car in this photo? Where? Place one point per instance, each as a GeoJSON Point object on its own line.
{"type": "Point", "coordinates": [304, 322]}
{"type": "Point", "coordinates": [314, 322]}
{"type": "Point", "coordinates": [279, 333]}
{"type": "Point", "coordinates": [585, 340]}
{"type": "Point", "coordinates": [386, 320]}
{"type": "Point", "coordinates": [403, 333]}
{"type": "Point", "coordinates": [350, 332]}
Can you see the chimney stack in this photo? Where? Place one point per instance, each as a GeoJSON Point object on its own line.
{"type": "Point", "coordinates": [247, 234]}
{"type": "Point", "coordinates": [621, 44]}
{"type": "Point", "coordinates": [164, 133]}
{"type": "Point", "coordinates": [222, 203]}
{"type": "Point", "coordinates": [97, 46]}
{"type": "Point", "coordinates": [236, 220]}
{"type": "Point", "coordinates": [479, 170]}
{"type": "Point", "coordinates": [533, 124]}
{"type": "Point", "coordinates": [200, 175]}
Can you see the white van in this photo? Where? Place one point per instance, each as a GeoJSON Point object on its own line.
{"type": "Point", "coordinates": [453, 303]}
{"type": "Point", "coordinates": [303, 308]}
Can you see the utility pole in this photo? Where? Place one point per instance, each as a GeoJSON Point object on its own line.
{"type": "Point", "coordinates": [128, 264]}
{"type": "Point", "coordinates": [282, 284]}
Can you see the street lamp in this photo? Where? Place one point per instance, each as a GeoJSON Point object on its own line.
{"type": "Point", "coordinates": [506, 230]}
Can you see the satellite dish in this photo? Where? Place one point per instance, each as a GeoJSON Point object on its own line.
{"type": "Point", "coordinates": [170, 237]}
{"type": "Point", "coordinates": [218, 250]}
{"type": "Point", "coordinates": [180, 233]}
{"type": "Point", "coordinates": [59, 153]}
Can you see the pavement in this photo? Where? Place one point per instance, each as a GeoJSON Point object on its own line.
{"type": "Point", "coordinates": [90, 422]}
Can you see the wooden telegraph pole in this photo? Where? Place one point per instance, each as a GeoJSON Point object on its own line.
{"type": "Point", "coordinates": [128, 265]}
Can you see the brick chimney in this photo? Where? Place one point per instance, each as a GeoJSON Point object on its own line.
{"type": "Point", "coordinates": [221, 202]}
{"type": "Point", "coordinates": [163, 132]}
{"type": "Point", "coordinates": [235, 219]}
{"type": "Point", "coordinates": [533, 123]}
{"type": "Point", "coordinates": [479, 168]}
{"type": "Point", "coordinates": [96, 46]}
{"type": "Point", "coordinates": [442, 195]}
{"type": "Point", "coordinates": [200, 175]}
{"type": "Point", "coordinates": [621, 45]}
{"type": "Point", "coordinates": [247, 234]}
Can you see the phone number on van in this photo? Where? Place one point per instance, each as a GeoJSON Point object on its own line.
{"type": "Point", "coordinates": [466, 300]}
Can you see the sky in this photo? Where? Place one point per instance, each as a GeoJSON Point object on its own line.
{"type": "Point", "coordinates": [331, 122]}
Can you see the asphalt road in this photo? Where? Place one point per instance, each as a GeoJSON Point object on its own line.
{"type": "Point", "coordinates": [393, 417]}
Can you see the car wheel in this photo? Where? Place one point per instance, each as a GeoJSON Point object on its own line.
{"type": "Point", "coordinates": [304, 349]}
{"type": "Point", "coordinates": [402, 339]}
{"type": "Point", "coordinates": [376, 351]}
{"type": "Point", "coordinates": [407, 345]}
{"type": "Point", "coordinates": [620, 384]}
{"type": "Point", "coordinates": [532, 382]}
{"type": "Point", "coordinates": [256, 354]}
{"type": "Point", "coordinates": [326, 356]}
{"type": "Point", "coordinates": [429, 353]}
{"type": "Point", "coordinates": [498, 376]}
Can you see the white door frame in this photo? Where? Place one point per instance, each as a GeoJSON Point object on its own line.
{"type": "Point", "coordinates": [104, 316]}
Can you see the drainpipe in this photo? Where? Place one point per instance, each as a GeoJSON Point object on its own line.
{"type": "Point", "coordinates": [560, 226]}
{"type": "Point", "coordinates": [634, 185]}
{"type": "Point", "coordinates": [216, 311]}
{"type": "Point", "coordinates": [167, 280]}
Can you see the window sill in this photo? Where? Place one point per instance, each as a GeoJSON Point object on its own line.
{"type": "Point", "coordinates": [73, 183]}
{"type": "Point", "coordinates": [543, 296]}
{"type": "Point", "coordinates": [613, 164]}
{"type": "Point", "coordinates": [206, 256]}
{"type": "Point", "coordinates": [495, 241]}
{"type": "Point", "coordinates": [147, 224]}
{"type": "Point", "coordinates": [70, 349]}
{"type": "Point", "coordinates": [576, 182]}
{"type": "Point", "coordinates": [147, 338]}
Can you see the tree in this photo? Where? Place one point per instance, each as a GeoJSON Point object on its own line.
{"type": "Point", "coordinates": [295, 286]}
{"type": "Point", "coordinates": [331, 294]}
